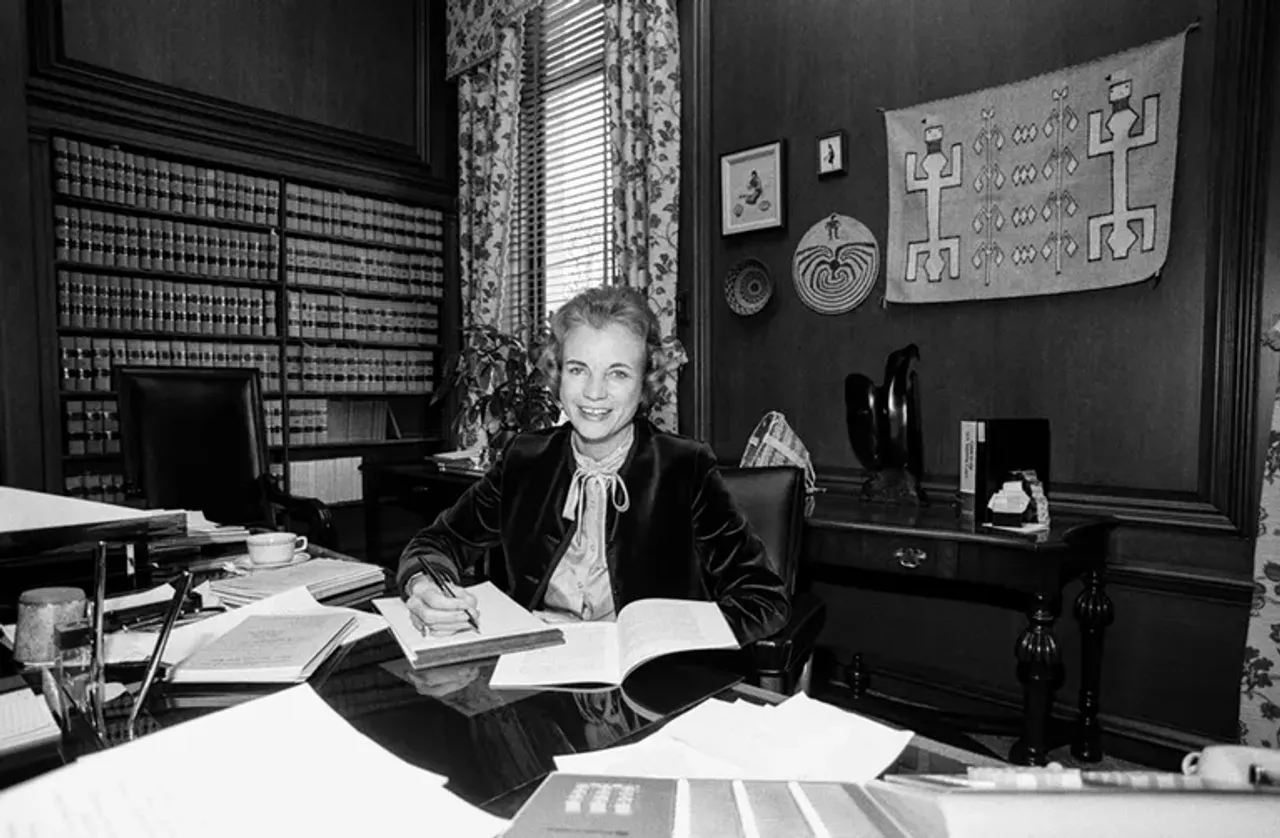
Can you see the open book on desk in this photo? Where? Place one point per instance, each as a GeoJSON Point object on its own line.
{"type": "Point", "coordinates": [266, 649]}
{"type": "Point", "coordinates": [504, 627]}
{"type": "Point", "coordinates": [603, 654]}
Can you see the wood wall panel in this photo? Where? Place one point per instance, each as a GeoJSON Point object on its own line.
{"type": "Point", "coordinates": [1152, 389]}
{"type": "Point", "coordinates": [1128, 377]}
{"type": "Point", "coordinates": [355, 88]}
{"type": "Point", "coordinates": [345, 64]}
{"type": "Point", "coordinates": [20, 374]}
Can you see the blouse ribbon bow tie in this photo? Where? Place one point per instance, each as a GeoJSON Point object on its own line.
{"type": "Point", "coordinates": [603, 476]}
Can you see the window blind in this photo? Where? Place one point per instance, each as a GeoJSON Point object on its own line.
{"type": "Point", "coordinates": [562, 234]}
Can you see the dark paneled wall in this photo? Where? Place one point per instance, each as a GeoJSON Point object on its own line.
{"type": "Point", "coordinates": [346, 64]}
{"type": "Point", "coordinates": [1151, 389]}
{"type": "Point", "coordinates": [20, 418]}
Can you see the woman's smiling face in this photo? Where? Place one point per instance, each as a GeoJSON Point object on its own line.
{"type": "Point", "coordinates": [601, 382]}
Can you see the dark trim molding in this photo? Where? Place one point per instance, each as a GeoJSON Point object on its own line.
{"type": "Point", "coordinates": [58, 84]}
{"type": "Point", "coordinates": [1243, 66]}
{"type": "Point", "coordinates": [698, 231]}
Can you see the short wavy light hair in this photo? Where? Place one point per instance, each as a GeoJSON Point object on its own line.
{"type": "Point", "coordinates": [601, 307]}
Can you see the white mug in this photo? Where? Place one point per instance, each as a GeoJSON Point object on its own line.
{"type": "Point", "coordinates": [1232, 764]}
{"type": "Point", "coordinates": [271, 548]}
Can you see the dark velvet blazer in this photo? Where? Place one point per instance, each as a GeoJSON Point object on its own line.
{"type": "Point", "coordinates": [681, 538]}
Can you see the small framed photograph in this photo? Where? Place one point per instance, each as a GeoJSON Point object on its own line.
{"type": "Point", "coordinates": [751, 189]}
{"type": "Point", "coordinates": [831, 154]}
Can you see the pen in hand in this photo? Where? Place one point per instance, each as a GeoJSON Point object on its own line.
{"type": "Point", "coordinates": [445, 588]}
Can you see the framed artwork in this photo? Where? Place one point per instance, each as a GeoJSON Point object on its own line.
{"type": "Point", "coordinates": [751, 189]}
{"type": "Point", "coordinates": [831, 154]}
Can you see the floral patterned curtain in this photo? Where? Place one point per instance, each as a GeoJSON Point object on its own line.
{"type": "Point", "coordinates": [488, 141]}
{"type": "Point", "coordinates": [642, 61]}
{"type": "Point", "coordinates": [473, 34]}
{"type": "Point", "coordinates": [1260, 681]}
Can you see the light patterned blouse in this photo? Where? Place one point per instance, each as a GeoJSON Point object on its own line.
{"type": "Point", "coordinates": [579, 588]}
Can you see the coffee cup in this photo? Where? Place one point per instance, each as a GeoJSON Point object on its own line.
{"type": "Point", "coordinates": [272, 548]}
{"type": "Point", "coordinates": [1230, 764]}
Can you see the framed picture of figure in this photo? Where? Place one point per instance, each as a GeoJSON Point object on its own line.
{"type": "Point", "coordinates": [751, 189]}
{"type": "Point", "coordinates": [832, 154]}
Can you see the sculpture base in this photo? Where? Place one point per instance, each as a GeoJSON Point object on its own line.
{"type": "Point", "coordinates": [894, 485]}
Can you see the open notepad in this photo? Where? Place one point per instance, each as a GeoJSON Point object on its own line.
{"type": "Point", "coordinates": [504, 627]}
{"type": "Point", "coordinates": [267, 649]}
{"type": "Point", "coordinates": [603, 654]}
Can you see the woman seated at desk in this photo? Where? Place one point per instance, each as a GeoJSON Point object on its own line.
{"type": "Point", "coordinates": [604, 509]}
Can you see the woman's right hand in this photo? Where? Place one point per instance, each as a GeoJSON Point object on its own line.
{"type": "Point", "coordinates": [434, 612]}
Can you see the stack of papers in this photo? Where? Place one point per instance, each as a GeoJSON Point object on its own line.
{"type": "Point", "coordinates": [799, 739]}
{"type": "Point", "coordinates": [267, 649]}
{"type": "Point", "coordinates": [323, 578]}
{"type": "Point", "coordinates": [25, 721]}
{"type": "Point", "coordinates": [133, 646]}
{"type": "Point", "coordinates": [310, 773]}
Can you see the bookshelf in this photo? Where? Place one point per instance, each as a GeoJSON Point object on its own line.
{"type": "Point", "coordinates": [334, 297]}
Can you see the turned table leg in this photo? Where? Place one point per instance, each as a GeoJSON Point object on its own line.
{"type": "Point", "coordinates": [1094, 612]}
{"type": "Point", "coordinates": [1039, 666]}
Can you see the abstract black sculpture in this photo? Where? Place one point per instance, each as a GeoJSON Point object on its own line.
{"type": "Point", "coordinates": [884, 429]}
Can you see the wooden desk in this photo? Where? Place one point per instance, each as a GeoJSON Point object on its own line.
{"type": "Point", "coordinates": [496, 746]}
{"type": "Point", "coordinates": [934, 551]}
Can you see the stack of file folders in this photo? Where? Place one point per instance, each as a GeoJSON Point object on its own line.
{"type": "Point", "coordinates": [330, 581]}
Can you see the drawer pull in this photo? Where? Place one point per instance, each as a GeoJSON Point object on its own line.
{"type": "Point", "coordinates": [910, 557]}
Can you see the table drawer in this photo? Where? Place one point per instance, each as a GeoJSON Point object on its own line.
{"type": "Point", "coordinates": [909, 556]}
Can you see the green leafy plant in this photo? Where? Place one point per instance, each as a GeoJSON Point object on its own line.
{"type": "Point", "coordinates": [502, 388]}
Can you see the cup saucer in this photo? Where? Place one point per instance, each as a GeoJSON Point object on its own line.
{"type": "Point", "coordinates": [245, 563]}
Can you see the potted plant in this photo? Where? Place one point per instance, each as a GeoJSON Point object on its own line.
{"type": "Point", "coordinates": [503, 390]}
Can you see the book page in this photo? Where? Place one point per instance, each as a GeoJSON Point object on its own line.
{"type": "Point", "coordinates": [499, 616]}
{"type": "Point", "coordinates": [265, 647]}
{"type": "Point", "coordinates": [651, 628]}
{"type": "Point", "coordinates": [589, 655]}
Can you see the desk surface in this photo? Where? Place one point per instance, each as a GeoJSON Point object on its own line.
{"type": "Point", "coordinates": [496, 746]}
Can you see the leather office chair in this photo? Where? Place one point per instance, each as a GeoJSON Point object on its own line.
{"type": "Point", "coordinates": [772, 499]}
{"type": "Point", "coordinates": [195, 439]}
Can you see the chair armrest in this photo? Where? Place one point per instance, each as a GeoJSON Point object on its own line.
{"type": "Point", "coordinates": [795, 641]}
{"type": "Point", "coordinates": [314, 513]}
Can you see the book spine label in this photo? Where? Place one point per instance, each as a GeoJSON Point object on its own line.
{"type": "Point", "coordinates": [968, 455]}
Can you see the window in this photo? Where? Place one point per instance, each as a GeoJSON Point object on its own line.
{"type": "Point", "coordinates": [563, 230]}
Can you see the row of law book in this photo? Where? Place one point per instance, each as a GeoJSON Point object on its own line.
{"type": "Point", "coordinates": [113, 175]}
{"type": "Point", "coordinates": [349, 267]}
{"type": "Point", "coordinates": [110, 239]}
{"type": "Point", "coordinates": [328, 212]}
{"type": "Point", "coordinates": [338, 369]}
{"type": "Point", "coordinates": [101, 486]}
{"type": "Point", "coordinates": [91, 427]}
{"type": "Point", "coordinates": [87, 301]}
{"type": "Point", "coordinates": [340, 317]}
{"type": "Point", "coordinates": [364, 267]}
{"type": "Point", "coordinates": [307, 423]}
{"type": "Point", "coordinates": [332, 480]}
{"type": "Point", "coordinates": [87, 362]}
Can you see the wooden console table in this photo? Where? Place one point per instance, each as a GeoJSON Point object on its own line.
{"type": "Point", "coordinates": [935, 549]}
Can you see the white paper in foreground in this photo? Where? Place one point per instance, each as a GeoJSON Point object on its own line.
{"type": "Point", "coordinates": [285, 764]}
{"type": "Point", "coordinates": [799, 739]}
